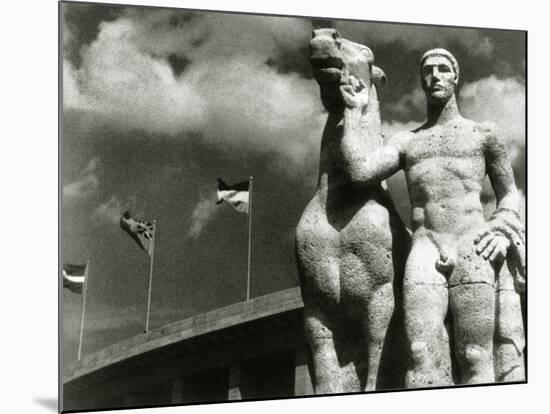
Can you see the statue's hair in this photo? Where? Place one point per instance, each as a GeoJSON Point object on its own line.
{"type": "Point", "coordinates": [444, 53]}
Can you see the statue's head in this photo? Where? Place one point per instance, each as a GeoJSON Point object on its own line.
{"type": "Point", "coordinates": [439, 72]}
{"type": "Point", "coordinates": [330, 55]}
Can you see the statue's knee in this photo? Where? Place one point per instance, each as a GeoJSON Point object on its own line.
{"type": "Point", "coordinates": [474, 356]}
{"type": "Point", "coordinates": [419, 353]}
{"type": "Point", "coordinates": [316, 331]}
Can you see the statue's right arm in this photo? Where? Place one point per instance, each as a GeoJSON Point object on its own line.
{"type": "Point", "coordinates": [367, 168]}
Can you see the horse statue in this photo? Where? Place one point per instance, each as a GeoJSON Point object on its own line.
{"type": "Point", "coordinates": [351, 244]}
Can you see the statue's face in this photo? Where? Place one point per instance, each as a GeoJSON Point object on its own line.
{"type": "Point", "coordinates": [438, 79]}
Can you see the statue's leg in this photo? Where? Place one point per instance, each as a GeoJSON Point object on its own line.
{"type": "Point", "coordinates": [472, 299]}
{"type": "Point", "coordinates": [509, 340]}
{"type": "Point", "coordinates": [327, 373]}
{"type": "Point", "coordinates": [425, 301]}
{"type": "Point", "coordinates": [379, 312]}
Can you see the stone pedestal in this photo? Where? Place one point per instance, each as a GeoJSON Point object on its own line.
{"type": "Point", "coordinates": [302, 378]}
{"type": "Point", "coordinates": [234, 380]}
{"type": "Point", "coordinates": [177, 391]}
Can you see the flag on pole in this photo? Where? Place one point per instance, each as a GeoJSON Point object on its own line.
{"type": "Point", "coordinates": [141, 231]}
{"type": "Point", "coordinates": [74, 277]}
{"type": "Point", "coordinates": [237, 195]}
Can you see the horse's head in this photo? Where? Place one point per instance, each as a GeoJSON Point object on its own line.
{"type": "Point", "coordinates": [330, 55]}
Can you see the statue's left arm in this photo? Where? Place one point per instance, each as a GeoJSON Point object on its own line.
{"type": "Point", "coordinates": [505, 236]}
{"type": "Point", "coordinates": [499, 170]}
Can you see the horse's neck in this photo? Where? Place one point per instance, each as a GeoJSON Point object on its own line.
{"type": "Point", "coordinates": [372, 128]}
{"type": "Point", "coordinates": [370, 134]}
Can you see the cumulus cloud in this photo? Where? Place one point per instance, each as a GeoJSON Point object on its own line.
{"type": "Point", "coordinates": [417, 37]}
{"type": "Point", "coordinates": [228, 92]}
{"type": "Point", "coordinates": [72, 97]}
{"type": "Point", "coordinates": [410, 103]}
{"type": "Point", "coordinates": [203, 212]}
{"type": "Point", "coordinates": [111, 211]}
{"type": "Point", "coordinates": [85, 186]}
{"type": "Point", "coordinates": [501, 101]}
{"type": "Point", "coordinates": [115, 321]}
{"type": "Point", "coordinates": [132, 88]}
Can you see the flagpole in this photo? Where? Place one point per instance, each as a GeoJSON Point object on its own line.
{"type": "Point", "coordinates": [249, 237]}
{"type": "Point", "coordinates": [83, 310]}
{"type": "Point", "coordinates": [151, 276]}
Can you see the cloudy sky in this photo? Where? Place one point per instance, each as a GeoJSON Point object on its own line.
{"type": "Point", "coordinates": [158, 103]}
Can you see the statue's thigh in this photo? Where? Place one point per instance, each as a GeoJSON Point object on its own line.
{"type": "Point", "coordinates": [472, 296]}
{"type": "Point", "coordinates": [425, 293]}
{"type": "Point", "coordinates": [473, 309]}
{"type": "Point", "coordinates": [470, 267]}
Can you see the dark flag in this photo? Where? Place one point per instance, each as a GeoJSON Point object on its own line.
{"type": "Point", "coordinates": [237, 195]}
{"type": "Point", "coordinates": [74, 277]}
{"type": "Point", "coordinates": [142, 232]}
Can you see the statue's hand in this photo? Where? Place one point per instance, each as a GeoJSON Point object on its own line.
{"type": "Point", "coordinates": [492, 245]}
{"type": "Point", "coordinates": [354, 91]}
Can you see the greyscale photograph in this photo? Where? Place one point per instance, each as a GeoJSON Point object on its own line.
{"type": "Point", "coordinates": [261, 206]}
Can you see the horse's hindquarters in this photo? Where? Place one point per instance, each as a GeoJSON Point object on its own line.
{"type": "Point", "coordinates": [345, 256]}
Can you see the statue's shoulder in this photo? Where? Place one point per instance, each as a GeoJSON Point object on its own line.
{"type": "Point", "coordinates": [401, 138]}
{"type": "Point", "coordinates": [490, 134]}
{"type": "Point", "coordinates": [469, 125]}
{"type": "Point", "coordinates": [486, 128]}
{"type": "Point", "coordinates": [491, 137]}
{"type": "Point", "coordinates": [487, 132]}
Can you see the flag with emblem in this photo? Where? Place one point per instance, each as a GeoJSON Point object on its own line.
{"type": "Point", "coordinates": [237, 195]}
{"type": "Point", "coordinates": [143, 232]}
{"type": "Point", "coordinates": [74, 277]}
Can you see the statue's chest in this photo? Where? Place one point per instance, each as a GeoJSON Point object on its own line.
{"type": "Point", "coordinates": [451, 144]}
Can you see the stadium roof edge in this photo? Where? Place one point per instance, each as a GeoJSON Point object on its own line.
{"type": "Point", "coordinates": [180, 331]}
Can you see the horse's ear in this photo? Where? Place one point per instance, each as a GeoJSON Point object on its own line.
{"type": "Point", "coordinates": [378, 76]}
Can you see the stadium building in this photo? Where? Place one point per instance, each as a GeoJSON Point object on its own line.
{"type": "Point", "coordinates": [248, 350]}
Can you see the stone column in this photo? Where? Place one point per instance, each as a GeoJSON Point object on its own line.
{"type": "Point", "coordinates": [302, 379]}
{"type": "Point", "coordinates": [234, 380]}
{"type": "Point", "coordinates": [177, 391]}
{"type": "Point", "coordinates": [131, 399]}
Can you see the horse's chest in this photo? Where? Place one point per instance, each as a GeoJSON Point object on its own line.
{"type": "Point", "coordinates": [340, 228]}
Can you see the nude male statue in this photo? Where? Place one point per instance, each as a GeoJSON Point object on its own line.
{"type": "Point", "coordinates": [456, 255]}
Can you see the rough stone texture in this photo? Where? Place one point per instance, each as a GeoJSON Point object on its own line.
{"type": "Point", "coordinates": [350, 242]}
{"type": "Point", "coordinates": [462, 313]}
{"type": "Point", "coordinates": [509, 334]}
